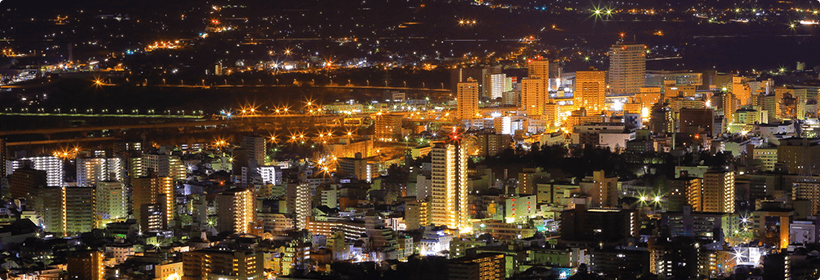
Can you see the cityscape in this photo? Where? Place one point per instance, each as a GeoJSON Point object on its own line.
{"type": "Point", "coordinates": [409, 139]}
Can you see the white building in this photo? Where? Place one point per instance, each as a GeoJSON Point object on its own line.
{"type": "Point", "coordinates": [53, 166]}
{"type": "Point", "coordinates": [93, 170]}
{"type": "Point", "coordinates": [271, 175]}
{"type": "Point", "coordinates": [520, 209]}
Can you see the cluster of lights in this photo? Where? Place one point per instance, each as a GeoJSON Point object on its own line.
{"type": "Point", "coordinates": [163, 45]}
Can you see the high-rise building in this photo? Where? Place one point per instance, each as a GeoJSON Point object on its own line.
{"type": "Point", "coordinates": [80, 209]}
{"type": "Point", "coordinates": [467, 95]}
{"type": "Point", "coordinates": [156, 191]}
{"type": "Point", "coordinates": [449, 186]}
{"type": "Point", "coordinates": [25, 181]}
{"type": "Point", "coordinates": [93, 170]}
{"type": "Point", "coordinates": [496, 86]}
{"type": "Point", "coordinates": [590, 90]}
{"type": "Point", "coordinates": [719, 191]}
{"type": "Point", "coordinates": [112, 200]}
{"type": "Point", "coordinates": [87, 265]}
{"type": "Point", "coordinates": [679, 194]}
{"type": "Point", "coordinates": [302, 202]}
{"type": "Point", "coordinates": [255, 151]}
{"type": "Point", "coordinates": [236, 210]}
{"type": "Point", "coordinates": [50, 206]}
{"type": "Point", "coordinates": [67, 211]}
{"type": "Point", "coordinates": [627, 68]}
{"type": "Point", "coordinates": [539, 69]}
{"type": "Point", "coordinates": [533, 96]}
{"type": "Point", "coordinates": [53, 166]}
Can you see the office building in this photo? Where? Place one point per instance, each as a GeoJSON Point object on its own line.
{"type": "Point", "coordinates": [449, 186]}
{"type": "Point", "coordinates": [467, 99]}
{"type": "Point", "coordinates": [533, 96]}
{"type": "Point", "coordinates": [236, 210]}
{"type": "Point", "coordinates": [539, 69]}
{"type": "Point", "coordinates": [590, 90]}
{"type": "Point", "coordinates": [627, 68]}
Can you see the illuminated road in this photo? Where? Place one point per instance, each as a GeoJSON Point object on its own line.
{"type": "Point", "coordinates": [47, 142]}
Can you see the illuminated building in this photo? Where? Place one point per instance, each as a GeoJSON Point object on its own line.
{"type": "Point", "coordinates": [362, 168]}
{"type": "Point", "coordinates": [519, 209]}
{"type": "Point", "coordinates": [67, 211]}
{"type": "Point", "coordinates": [271, 175]}
{"type": "Point", "coordinates": [302, 203]}
{"type": "Point", "coordinates": [416, 214]}
{"type": "Point", "coordinates": [53, 166]}
{"type": "Point", "coordinates": [767, 155]}
{"type": "Point", "coordinates": [602, 190]}
{"type": "Point", "coordinates": [93, 170]}
{"type": "Point", "coordinates": [496, 87]}
{"type": "Point", "coordinates": [388, 128]}
{"type": "Point", "coordinates": [485, 266]}
{"type": "Point", "coordinates": [533, 96]}
{"type": "Point", "coordinates": [741, 90]}
{"type": "Point", "coordinates": [467, 99]}
{"type": "Point", "coordinates": [449, 186]}
{"type": "Point", "coordinates": [718, 193]}
{"type": "Point", "coordinates": [168, 271]}
{"type": "Point", "coordinates": [808, 190]}
{"type": "Point", "coordinates": [223, 264]}
{"type": "Point", "coordinates": [157, 192]}
{"type": "Point", "coordinates": [627, 68]}
{"type": "Point", "coordinates": [327, 226]}
{"type": "Point", "coordinates": [491, 144]}
{"type": "Point", "coordinates": [729, 104]}
{"type": "Point", "coordinates": [590, 90]}
{"type": "Point", "coordinates": [527, 179]}
{"type": "Point", "coordinates": [750, 115]}
{"type": "Point", "coordinates": [236, 210]}
{"type": "Point", "coordinates": [539, 69]}
{"type": "Point", "coordinates": [347, 147]}
{"type": "Point", "coordinates": [86, 265]}
{"type": "Point", "coordinates": [679, 194]}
